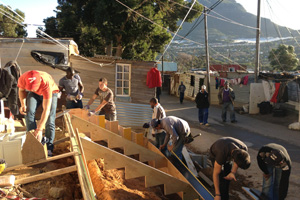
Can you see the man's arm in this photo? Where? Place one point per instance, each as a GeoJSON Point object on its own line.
{"type": "Point", "coordinates": [22, 97]}
{"type": "Point", "coordinates": [45, 113]}
{"type": "Point", "coordinates": [81, 87]}
{"type": "Point", "coordinates": [231, 175]}
{"type": "Point", "coordinates": [103, 103]}
{"type": "Point", "coordinates": [216, 180]}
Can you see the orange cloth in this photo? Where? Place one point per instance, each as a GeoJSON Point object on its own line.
{"type": "Point", "coordinates": [47, 86]}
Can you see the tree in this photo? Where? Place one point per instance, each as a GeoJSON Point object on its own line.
{"type": "Point", "coordinates": [110, 22]}
{"type": "Point", "coordinates": [8, 27]}
{"type": "Point", "coordinates": [283, 58]}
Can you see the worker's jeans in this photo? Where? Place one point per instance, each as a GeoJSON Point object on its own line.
{"type": "Point", "coordinates": [203, 115]}
{"type": "Point", "coordinates": [160, 139]}
{"type": "Point", "coordinates": [177, 149]}
{"type": "Point", "coordinates": [225, 107]}
{"type": "Point", "coordinates": [73, 104]}
{"type": "Point", "coordinates": [181, 97]}
{"type": "Point", "coordinates": [109, 116]}
{"type": "Point", "coordinates": [33, 102]}
{"type": "Point", "coordinates": [276, 186]}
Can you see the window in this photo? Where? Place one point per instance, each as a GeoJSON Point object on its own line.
{"type": "Point", "coordinates": [123, 72]}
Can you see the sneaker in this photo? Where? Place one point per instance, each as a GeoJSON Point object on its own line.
{"type": "Point", "coordinates": [233, 121]}
{"type": "Point", "coordinates": [201, 123]}
{"type": "Point", "coordinates": [207, 124]}
{"type": "Point", "coordinates": [50, 153]}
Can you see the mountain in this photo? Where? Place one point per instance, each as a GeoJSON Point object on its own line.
{"type": "Point", "coordinates": [223, 31]}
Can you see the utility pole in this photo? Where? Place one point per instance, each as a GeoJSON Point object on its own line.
{"type": "Point", "coordinates": [162, 68]}
{"type": "Point", "coordinates": [257, 43]}
{"type": "Point", "coordinates": [207, 54]}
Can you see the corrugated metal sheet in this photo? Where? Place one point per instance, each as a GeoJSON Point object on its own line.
{"type": "Point", "coordinates": [129, 114]}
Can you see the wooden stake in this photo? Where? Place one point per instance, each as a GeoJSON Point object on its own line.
{"type": "Point", "coordinates": [46, 175]}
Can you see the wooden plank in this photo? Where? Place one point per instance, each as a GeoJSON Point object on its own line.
{"type": "Point", "coordinates": [250, 193]}
{"type": "Point", "coordinates": [139, 139]}
{"type": "Point", "coordinates": [113, 126]}
{"type": "Point", "coordinates": [61, 140]}
{"type": "Point", "coordinates": [65, 155]}
{"type": "Point", "coordinates": [133, 168]}
{"type": "Point", "coordinates": [102, 121]}
{"type": "Point", "coordinates": [189, 161]}
{"type": "Point", "coordinates": [206, 179]}
{"type": "Point", "coordinates": [114, 141]}
{"type": "Point", "coordinates": [46, 175]}
{"type": "Point", "coordinates": [86, 186]}
{"type": "Point", "coordinates": [33, 150]}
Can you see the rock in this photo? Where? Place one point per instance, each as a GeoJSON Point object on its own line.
{"type": "Point", "coordinates": [295, 126]}
{"type": "Point", "coordinates": [56, 192]}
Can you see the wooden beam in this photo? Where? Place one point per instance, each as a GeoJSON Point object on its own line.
{"type": "Point", "coordinates": [133, 168]}
{"type": "Point", "coordinates": [206, 179]}
{"type": "Point", "coordinates": [33, 150]}
{"type": "Point", "coordinates": [61, 140]}
{"type": "Point", "coordinates": [86, 186]}
{"type": "Point", "coordinates": [46, 175]}
{"type": "Point", "coordinates": [65, 155]}
{"type": "Point", "coordinates": [114, 141]}
{"type": "Point", "coordinates": [189, 161]}
{"type": "Point", "coordinates": [251, 193]}
{"type": "Point", "coordinates": [112, 126]}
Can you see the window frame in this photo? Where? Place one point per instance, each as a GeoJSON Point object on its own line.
{"type": "Point", "coordinates": [129, 80]}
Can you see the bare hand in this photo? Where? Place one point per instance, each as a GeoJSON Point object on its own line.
{"type": "Point", "coordinates": [162, 147]}
{"type": "Point", "coordinates": [230, 177]}
{"type": "Point", "coordinates": [267, 176]}
{"type": "Point", "coordinates": [22, 110]}
{"type": "Point", "coordinates": [217, 198]}
{"type": "Point", "coordinates": [38, 134]}
{"type": "Point", "coordinates": [170, 147]}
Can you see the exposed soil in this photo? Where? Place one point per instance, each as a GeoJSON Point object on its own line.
{"type": "Point", "coordinates": [111, 184]}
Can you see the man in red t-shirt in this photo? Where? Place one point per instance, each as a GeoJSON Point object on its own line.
{"type": "Point", "coordinates": [35, 88]}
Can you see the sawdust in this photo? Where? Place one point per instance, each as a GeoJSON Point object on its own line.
{"type": "Point", "coordinates": [111, 184]}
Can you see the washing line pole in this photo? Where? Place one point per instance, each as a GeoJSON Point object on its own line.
{"type": "Point", "coordinates": [256, 71]}
{"type": "Point", "coordinates": [207, 54]}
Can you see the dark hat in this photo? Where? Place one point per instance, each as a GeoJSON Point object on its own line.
{"type": "Point", "coordinates": [274, 158]}
{"type": "Point", "coordinates": [154, 123]}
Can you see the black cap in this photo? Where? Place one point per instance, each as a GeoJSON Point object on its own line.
{"type": "Point", "coordinates": [154, 123]}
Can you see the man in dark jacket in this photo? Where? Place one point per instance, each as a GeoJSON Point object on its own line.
{"type": "Point", "coordinates": [274, 161]}
{"type": "Point", "coordinates": [226, 99]}
{"type": "Point", "coordinates": [181, 90]}
{"type": "Point", "coordinates": [227, 154]}
{"type": "Point", "coordinates": [202, 105]}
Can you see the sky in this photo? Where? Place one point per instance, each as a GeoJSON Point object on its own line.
{"type": "Point", "coordinates": [285, 13]}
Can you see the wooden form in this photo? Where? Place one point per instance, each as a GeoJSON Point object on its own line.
{"type": "Point", "coordinates": [116, 141]}
{"type": "Point", "coordinates": [49, 159]}
{"type": "Point", "coordinates": [46, 175]}
{"type": "Point", "coordinates": [33, 150]}
{"type": "Point", "coordinates": [133, 168]}
{"type": "Point", "coordinates": [82, 170]}
{"type": "Point", "coordinates": [189, 161]}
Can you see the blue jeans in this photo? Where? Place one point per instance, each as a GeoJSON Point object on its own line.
{"type": "Point", "coordinates": [276, 186]}
{"type": "Point", "coordinates": [228, 106]}
{"type": "Point", "coordinates": [73, 104]}
{"type": "Point", "coordinates": [203, 115]}
{"type": "Point", "coordinates": [177, 149]}
{"type": "Point", "coordinates": [181, 97]}
{"type": "Point", "coordinates": [33, 102]}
